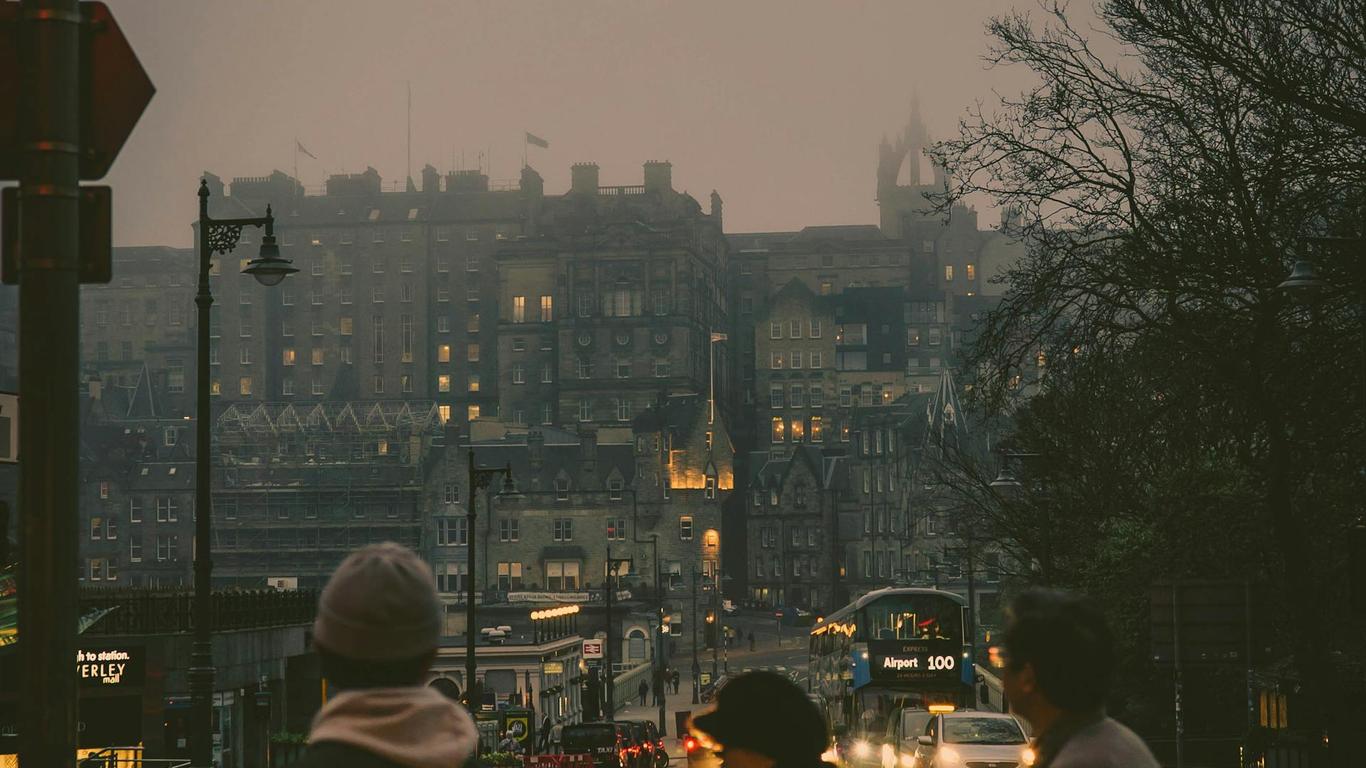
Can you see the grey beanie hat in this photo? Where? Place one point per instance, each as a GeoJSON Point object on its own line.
{"type": "Point", "coordinates": [380, 605]}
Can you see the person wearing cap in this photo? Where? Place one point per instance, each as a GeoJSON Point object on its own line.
{"type": "Point", "coordinates": [763, 720]}
{"type": "Point", "coordinates": [376, 635]}
{"type": "Point", "coordinates": [1059, 661]}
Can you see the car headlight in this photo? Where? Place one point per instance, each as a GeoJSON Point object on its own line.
{"type": "Point", "coordinates": [907, 761]}
{"type": "Point", "coordinates": [1027, 757]}
{"type": "Point", "coordinates": [888, 756]}
{"type": "Point", "coordinates": [862, 749]}
{"type": "Point", "coordinates": [948, 756]}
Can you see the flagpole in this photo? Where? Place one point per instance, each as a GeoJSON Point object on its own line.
{"type": "Point", "coordinates": [296, 158]}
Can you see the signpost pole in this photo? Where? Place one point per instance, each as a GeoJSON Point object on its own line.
{"type": "Point", "coordinates": [49, 110]}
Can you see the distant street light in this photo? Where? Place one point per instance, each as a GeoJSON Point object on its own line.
{"type": "Point", "coordinates": [478, 477]}
{"type": "Point", "coordinates": [216, 236]}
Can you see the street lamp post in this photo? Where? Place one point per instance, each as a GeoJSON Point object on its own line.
{"type": "Point", "coordinates": [216, 236]}
{"type": "Point", "coordinates": [478, 477]}
{"type": "Point", "coordinates": [696, 667]}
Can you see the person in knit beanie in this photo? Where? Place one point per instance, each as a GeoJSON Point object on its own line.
{"type": "Point", "coordinates": [376, 635]}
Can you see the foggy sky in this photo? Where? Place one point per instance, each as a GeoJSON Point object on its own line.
{"type": "Point", "coordinates": [779, 105]}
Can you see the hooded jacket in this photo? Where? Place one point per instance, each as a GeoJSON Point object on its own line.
{"type": "Point", "coordinates": [414, 727]}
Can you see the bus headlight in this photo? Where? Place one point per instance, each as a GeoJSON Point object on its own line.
{"type": "Point", "coordinates": [862, 749]}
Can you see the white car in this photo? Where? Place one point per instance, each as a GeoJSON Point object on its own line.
{"type": "Point", "coordinates": [977, 739]}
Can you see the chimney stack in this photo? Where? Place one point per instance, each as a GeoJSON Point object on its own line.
{"type": "Point", "coordinates": [658, 176]}
{"type": "Point", "coordinates": [583, 178]}
{"type": "Point", "coordinates": [431, 180]}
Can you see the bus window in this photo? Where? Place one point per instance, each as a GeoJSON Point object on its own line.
{"type": "Point", "coordinates": [913, 617]}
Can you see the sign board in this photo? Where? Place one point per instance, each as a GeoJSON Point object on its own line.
{"type": "Point", "coordinates": [592, 649]}
{"type": "Point", "coordinates": [518, 725]}
{"type": "Point", "coordinates": [933, 661]}
{"type": "Point", "coordinates": [282, 582]}
{"type": "Point", "coordinates": [114, 90]}
{"type": "Point", "coordinates": [95, 255]}
{"type": "Point", "coordinates": [553, 668]}
{"type": "Point", "coordinates": [9, 428]}
{"type": "Point", "coordinates": [109, 667]}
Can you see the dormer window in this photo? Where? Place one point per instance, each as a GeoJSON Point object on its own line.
{"type": "Point", "coordinates": [562, 489]}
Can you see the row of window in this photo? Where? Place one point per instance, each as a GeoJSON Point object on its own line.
{"type": "Point", "coordinates": [167, 511]}
{"type": "Point", "coordinates": [795, 359]}
{"type": "Point", "coordinates": [768, 536]}
{"type": "Point", "coordinates": [454, 531]}
{"type": "Point", "coordinates": [802, 565]}
{"type": "Point", "coordinates": [794, 329]}
{"type": "Point", "coordinates": [519, 309]}
{"type": "Point", "coordinates": [107, 568]}
{"type": "Point", "coordinates": [151, 314]}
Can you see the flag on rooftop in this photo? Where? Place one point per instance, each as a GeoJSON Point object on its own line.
{"type": "Point", "coordinates": [300, 147]}
{"type": "Point", "coordinates": [532, 138]}
{"type": "Point", "coordinates": [715, 337]}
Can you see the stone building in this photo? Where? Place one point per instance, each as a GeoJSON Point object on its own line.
{"type": "Point", "coordinates": [395, 297]}
{"type": "Point", "coordinates": [137, 331]}
{"type": "Point", "coordinates": [137, 492]}
{"type": "Point", "coordinates": [656, 502]}
{"type": "Point", "coordinates": [296, 488]}
{"type": "Point", "coordinates": [615, 295]}
{"type": "Point", "coordinates": [792, 517]}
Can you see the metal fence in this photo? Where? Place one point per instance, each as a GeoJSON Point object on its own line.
{"type": "Point", "coordinates": [145, 612]}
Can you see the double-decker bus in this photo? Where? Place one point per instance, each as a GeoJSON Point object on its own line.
{"type": "Point", "coordinates": [891, 649]}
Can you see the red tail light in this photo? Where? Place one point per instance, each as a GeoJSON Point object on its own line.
{"type": "Point", "coordinates": [689, 744]}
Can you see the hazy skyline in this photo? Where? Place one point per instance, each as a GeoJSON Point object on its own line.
{"type": "Point", "coordinates": [778, 106]}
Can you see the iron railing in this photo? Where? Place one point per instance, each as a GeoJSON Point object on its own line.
{"type": "Point", "coordinates": [146, 612]}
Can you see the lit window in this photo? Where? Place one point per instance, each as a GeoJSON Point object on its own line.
{"type": "Point", "coordinates": [779, 429]}
{"type": "Point", "coordinates": [547, 309]}
{"type": "Point", "coordinates": [948, 272]}
{"type": "Point", "coordinates": [288, 355]}
{"type": "Point", "coordinates": [244, 386]}
{"type": "Point", "coordinates": [472, 412]}
{"type": "Point", "coordinates": [816, 429]}
{"type": "Point", "coordinates": [519, 309]}
{"type": "Point", "coordinates": [444, 411]}
{"type": "Point", "coordinates": [472, 384]}
{"type": "Point", "coordinates": [443, 382]}
{"type": "Point", "coordinates": [443, 353]}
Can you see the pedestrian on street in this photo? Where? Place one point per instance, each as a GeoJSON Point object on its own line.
{"type": "Point", "coordinates": [674, 678]}
{"type": "Point", "coordinates": [1059, 665]}
{"type": "Point", "coordinates": [751, 639]}
{"type": "Point", "coordinates": [643, 689]}
{"type": "Point", "coordinates": [763, 720]}
{"type": "Point", "coordinates": [543, 738]}
{"type": "Point", "coordinates": [376, 634]}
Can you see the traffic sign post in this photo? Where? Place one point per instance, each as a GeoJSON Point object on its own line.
{"type": "Point", "coordinates": [70, 92]}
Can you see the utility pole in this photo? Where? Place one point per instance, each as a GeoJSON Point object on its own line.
{"type": "Point", "coordinates": [696, 667]}
{"type": "Point", "coordinates": [607, 646]}
{"type": "Point", "coordinates": [49, 116]}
